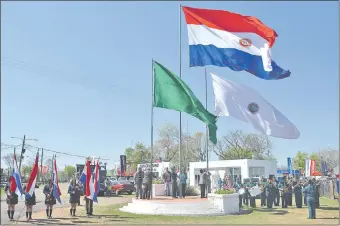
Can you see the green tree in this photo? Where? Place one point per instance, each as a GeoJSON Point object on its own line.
{"type": "Point", "coordinates": [70, 171]}
{"type": "Point", "coordinates": [299, 160]}
{"type": "Point", "coordinates": [139, 154]}
{"type": "Point", "coordinates": [26, 170]}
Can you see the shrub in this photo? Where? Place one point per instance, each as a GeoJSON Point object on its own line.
{"type": "Point", "coordinates": [157, 181]}
{"type": "Point", "coordinates": [191, 191]}
{"type": "Point", "coordinates": [224, 192]}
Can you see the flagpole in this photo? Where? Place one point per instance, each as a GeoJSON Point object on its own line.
{"type": "Point", "coordinates": [152, 104]}
{"type": "Point", "coordinates": [180, 75]}
{"type": "Point", "coordinates": [206, 127]}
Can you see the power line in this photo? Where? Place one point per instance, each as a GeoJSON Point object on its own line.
{"type": "Point", "coordinates": [64, 153]}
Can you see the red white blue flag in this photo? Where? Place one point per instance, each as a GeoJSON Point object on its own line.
{"type": "Point", "coordinates": [30, 187]}
{"type": "Point", "coordinates": [15, 183]}
{"type": "Point", "coordinates": [56, 189]}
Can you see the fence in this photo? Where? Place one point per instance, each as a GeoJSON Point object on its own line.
{"type": "Point", "coordinates": [328, 188]}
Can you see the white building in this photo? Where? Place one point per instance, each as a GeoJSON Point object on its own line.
{"type": "Point", "coordinates": [238, 169]}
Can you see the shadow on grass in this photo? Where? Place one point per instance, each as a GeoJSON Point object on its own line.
{"type": "Point", "coordinates": [112, 216]}
{"type": "Point", "coordinates": [243, 212]}
{"type": "Point", "coordinates": [272, 211]}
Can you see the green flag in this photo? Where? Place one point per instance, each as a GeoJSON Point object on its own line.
{"type": "Point", "coordinates": [171, 92]}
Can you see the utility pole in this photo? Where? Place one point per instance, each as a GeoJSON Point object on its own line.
{"type": "Point", "coordinates": [41, 166]}
{"type": "Point", "coordinates": [22, 148]}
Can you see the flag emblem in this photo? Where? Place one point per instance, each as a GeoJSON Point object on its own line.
{"type": "Point", "coordinates": [245, 42]}
{"type": "Point", "coordinates": [253, 108]}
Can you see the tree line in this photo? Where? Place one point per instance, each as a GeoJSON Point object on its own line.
{"type": "Point", "coordinates": [234, 145]}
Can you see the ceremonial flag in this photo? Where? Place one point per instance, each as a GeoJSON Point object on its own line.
{"type": "Point", "coordinates": [171, 92]}
{"type": "Point", "coordinates": [88, 179]}
{"type": "Point", "coordinates": [30, 187]}
{"type": "Point", "coordinates": [225, 39]}
{"type": "Point", "coordinates": [307, 167]}
{"type": "Point", "coordinates": [95, 183]}
{"type": "Point", "coordinates": [15, 184]}
{"type": "Point", "coordinates": [312, 167]}
{"type": "Point", "coordinates": [82, 178]}
{"type": "Point", "coordinates": [56, 190]}
{"type": "Point", "coordinates": [245, 104]}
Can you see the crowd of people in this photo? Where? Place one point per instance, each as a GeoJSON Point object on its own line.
{"type": "Point", "coordinates": [305, 192]}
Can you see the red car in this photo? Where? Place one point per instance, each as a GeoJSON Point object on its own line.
{"type": "Point", "coordinates": [119, 187]}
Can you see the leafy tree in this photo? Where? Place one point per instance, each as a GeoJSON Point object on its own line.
{"type": "Point", "coordinates": [300, 159]}
{"type": "Point", "coordinates": [26, 170]}
{"type": "Point", "coordinates": [139, 154]}
{"type": "Point", "coordinates": [239, 145]}
{"type": "Point", "coordinates": [70, 172]}
{"type": "Point", "coordinates": [330, 157]}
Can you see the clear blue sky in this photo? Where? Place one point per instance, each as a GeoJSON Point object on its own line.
{"type": "Point", "coordinates": [77, 75]}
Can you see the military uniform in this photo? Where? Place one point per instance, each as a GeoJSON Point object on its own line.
{"type": "Point", "coordinates": [174, 184]}
{"type": "Point", "coordinates": [298, 194]}
{"type": "Point", "coordinates": [139, 175]}
{"type": "Point", "coordinates": [270, 193]}
{"type": "Point", "coordinates": [276, 194]}
{"type": "Point", "coordinates": [147, 182]}
{"type": "Point", "coordinates": [263, 194]}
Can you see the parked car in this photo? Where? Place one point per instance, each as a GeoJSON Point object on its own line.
{"type": "Point", "coordinates": [124, 186]}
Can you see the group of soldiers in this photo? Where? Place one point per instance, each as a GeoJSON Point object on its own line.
{"type": "Point", "coordinates": [143, 183]}
{"type": "Point", "coordinates": [272, 192]}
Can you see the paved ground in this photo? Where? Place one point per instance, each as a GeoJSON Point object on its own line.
{"type": "Point", "coordinates": [61, 210]}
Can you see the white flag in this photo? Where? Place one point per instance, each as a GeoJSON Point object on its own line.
{"type": "Point", "coordinates": [245, 104]}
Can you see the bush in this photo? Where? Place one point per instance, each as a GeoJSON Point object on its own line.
{"type": "Point", "coordinates": [157, 181]}
{"type": "Point", "coordinates": [191, 191]}
{"type": "Point", "coordinates": [225, 192]}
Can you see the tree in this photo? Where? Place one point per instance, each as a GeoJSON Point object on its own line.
{"type": "Point", "coordinates": [8, 159]}
{"type": "Point", "coordinates": [330, 157]}
{"type": "Point", "coordinates": [168, 142]}
{"type": "Point", "coordinates": [70, 172]}
{"type": "Point", "coordinates": [26, 170]}
{"type": "Point", "coordinates": [239, 145]}
{"type": "Point", "coordinates": [299, 160]}
{"type": "Point", "coordinates": [139, 154]}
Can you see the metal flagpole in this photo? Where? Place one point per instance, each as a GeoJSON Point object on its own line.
{"type": "Point", "coordinates": [206, 127]}
{"type": "Point", "coordinates": [180, 75]}
{"type": "Point", "coordinates": [152, 103]}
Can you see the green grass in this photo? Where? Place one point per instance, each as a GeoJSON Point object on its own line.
{"type": "Point", "coordinates": [327, 214]}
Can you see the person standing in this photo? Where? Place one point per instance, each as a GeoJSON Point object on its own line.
{"type": "Point", "coordinates": [88, 203]}
{"type": "Point", "coordinates": [183, 183]}
{"type": "Point", "coordinates": [11, 200]}
{"type": "Point", "coordinates": [270, 193]}
{"type": "Point", "coordinates": [50, 200]}
{"type": "Point", "coordinates": [208, 175]}
{"type": "Point", "coordinates": [147, 182]}
{"type": "Point", "coordinates": [290, 193]}
{"type": "Point", "coordinates": [285, 196]}
{"type": "Point", "coordinates": [263, 192]}
{"type": "Point", "coordinates": [276, 192]}
{"type": "Point", "coordinates": [317, 193]}
{"type": "Point", "coordinates": [174, 183]}
{"type": "Point", "coordinates": [202, 183]}
{"type": "Point", "coordinates": [310, 192]}
{"type": "Point", "coordinates": [30, 201]}
{"type": "Point", "coordinates": [219, 183]}
{"type": "Point", "coordinates": [298, 194]}
{"type": "Point", "coordinates": [167, 181]}
{"type": "Point", "coordinates": [74, 192]}
{"type": "Point", "coordinates": [139, 175]}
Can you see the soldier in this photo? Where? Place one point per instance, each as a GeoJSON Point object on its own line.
{"type": "Point", "coordinates": [30, 201]}
{"type": "Point", "coordinates": [263, 192]}
{"type": "Point", "coordinates": [139, 175]}
{"type": "Point", "coordinates": [285, 196]}
{"type": "Point", "coordinates": [298, 194]}
{"type": "Point", "coordinates": [276, 192]}
{"type": "Point", "coordinates": [246, 194]}
{"type": "Point", "coordinates": [270, 193]}
{"type": "Point", "coordinates": [174, 183]}
{"type": "Point", "coordinates": [147, 182]}
{"type": "Point", "coordinates": [50, 200]}
{"type": "Point", "coordinates": [12, 200]}
{"type": "Point", "coordinates": [317, 193]}
{"type": "Point", "coordinates": [74, 192]}
{"type": "Point", "coordinates": [167, 181]}
{"type": "Point", "coordinates": [290, 193]}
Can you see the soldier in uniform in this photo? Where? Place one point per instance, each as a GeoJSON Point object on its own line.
{"type": "Point", "coordinates": [290, 193]}
{"type": "Point", "coordinates": [49, 198]}
{"type": "Point", "coordinates": [317, 193]}
{"type": "Point", "coordinates": [147, 182]}
{"type": "Point", "coordinates": [298, 194]}
{"type": "Point", "coordinates": [263, 192]}
{"type": "Point", "coordinates": [276, 192]}
{"type": "Point", "coordinates": [139, 175]}
{"type": "Point", "coordinates": [30, 201]}
{"type": "Point", "coordinates": [74, 192]}
{"type": "Point", "coordinates": [270, 193]}
{"type": "Point", "coordinates": [285, 196]}
{"type": "Point", "coordinates": [12, 200]}
{"type": "Point", "coordinates": [174, 183]}
{"type": "Point", "coordinates": [246, 194]}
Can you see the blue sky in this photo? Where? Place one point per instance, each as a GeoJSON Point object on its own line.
{"type": "Point", "coordinates": [77, 75]}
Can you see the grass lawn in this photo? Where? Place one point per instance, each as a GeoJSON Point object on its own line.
{"type": "Point", "coordinates": [327, 214]}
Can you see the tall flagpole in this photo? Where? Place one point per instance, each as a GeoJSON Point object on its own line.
{"type": "Point", "coordinates": [206, 127]}
{"type": "Point", "coordinates": [180, 75]}
{"type": "Point", "coordinates": [152, 103]}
